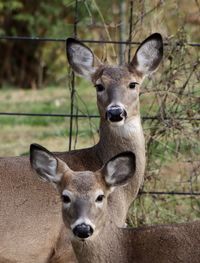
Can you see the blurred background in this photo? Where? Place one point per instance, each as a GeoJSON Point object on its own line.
{"type": "Point", "coordinates": [35, 78]}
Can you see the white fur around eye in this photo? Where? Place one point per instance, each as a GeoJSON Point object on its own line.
{"type": "Point", "coordinates": [67, 193]}
{"type": "Point", "coordinates": [98, 204]}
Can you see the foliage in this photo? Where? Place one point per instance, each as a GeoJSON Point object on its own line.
{"type": "Point", "coordinates": [29, 64]}
{"type": "Point", "coordinates": [23, 63]}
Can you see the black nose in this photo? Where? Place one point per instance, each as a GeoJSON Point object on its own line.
{"type": "Point", "coordinates": [83, 231]}
{"type": "Point", "coordinates": [115, 114]}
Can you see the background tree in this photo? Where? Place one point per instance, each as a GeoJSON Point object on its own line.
{"type": "Point", "coordinates": [21, 64]}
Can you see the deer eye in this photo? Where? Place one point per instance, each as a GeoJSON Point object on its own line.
{"type": "Point", "coordinates": [99, 87]}
{"type": "Point", "coordinates": [66, 199]}
{"type": "Point", "coordinates": [99, 198]}
{"type": "Point", "coordinates": [132, 85]}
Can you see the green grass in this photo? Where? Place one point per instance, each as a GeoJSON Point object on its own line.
{"type": "Point", "coordinates": [166, 209]}
{"type": "Point", "coordinates": [18, 132]}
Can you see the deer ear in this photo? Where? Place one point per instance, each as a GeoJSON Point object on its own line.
{"type": "Point", "coordinates": [148, 55]}
{"type": "Point", "coordinates": [80, 58]}
{"type": "Point", "coordinates": [120, 169]}
{"type": "Point", "coordinates": [45, 163]}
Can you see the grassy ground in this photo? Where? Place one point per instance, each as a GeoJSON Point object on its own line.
{"type": "Point", "coordinates": [18, 132]}
{"type": "Point", "coordinates": [169, 168]}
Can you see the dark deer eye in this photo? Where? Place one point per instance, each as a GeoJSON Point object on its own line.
{"type": "Point", "coordinates": [99, 87]}
{"type": "Point", "coordinates": [66, 199]}
{"type": "Point", "coordinates": [100, 198]}
{"type": "Point", "coordinates": [132, 85]}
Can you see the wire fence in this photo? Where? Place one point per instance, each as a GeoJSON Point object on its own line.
{"type": "Point", "coordinates": [91, 116]}
{"type": "Point", "coordinates": [73, 115]}
{"type": "Point", "coordinates": [49, 39]}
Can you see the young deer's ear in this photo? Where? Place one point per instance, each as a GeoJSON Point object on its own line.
{"type": "Point", "coordinates": [80, 58]}
{"type": "Point", "coordinates": [148, 55]}
{"type": "Point", "coordinates": [45, 164]}
{"type": "Point", "coordinates": [120, 169]}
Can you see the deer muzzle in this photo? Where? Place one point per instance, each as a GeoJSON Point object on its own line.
{"type": "Point", "coordinates": [83, 231]}
{"type": "Point", "coordinates": [116, 113]}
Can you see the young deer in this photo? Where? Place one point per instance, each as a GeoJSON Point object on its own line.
{"type": "Point", "coordinates": [24, 202]}
{"type": "Point", "coordinates": [86, 212]}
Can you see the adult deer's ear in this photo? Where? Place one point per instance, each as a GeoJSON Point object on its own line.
{"type": "Point", "coordinates": [120, 169]}
{"type": "Point", "coordinates": [148, 55]}
{"type": "Point", "coordinates": [45, 164]}
{"type": "Point", "coordinates": [80, 58]}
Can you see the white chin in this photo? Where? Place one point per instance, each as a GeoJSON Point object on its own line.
{"type": "Point", "coordinates": [117, 124]}
{"type": "Point", "coordinates": [83, 239]}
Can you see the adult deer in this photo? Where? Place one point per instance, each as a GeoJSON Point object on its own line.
{"type": "Point", "coordinates": [86, 212]}
{"type": "Point", "coordinates": [25, 203]}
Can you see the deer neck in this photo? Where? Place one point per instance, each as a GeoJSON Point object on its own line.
{"type": "Point", "coordinates": [161, 243]}
{"type": "Point", "coordinates": [115, 139]}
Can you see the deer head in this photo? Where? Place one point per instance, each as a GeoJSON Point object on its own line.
{"type": "Point", "coordinates": [84, 195]}
{"type": "Point", "coordinates": [117, 86]}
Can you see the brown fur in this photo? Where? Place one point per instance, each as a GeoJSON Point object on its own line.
{"type": "Point", "coordinates": [25, 202]}
{"type": "Point", "coordinates": [30, 222]}
{"type": "Point", "coordinates": [177, 243]}
{"type": "Point", "coordinates": [109, 243]}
